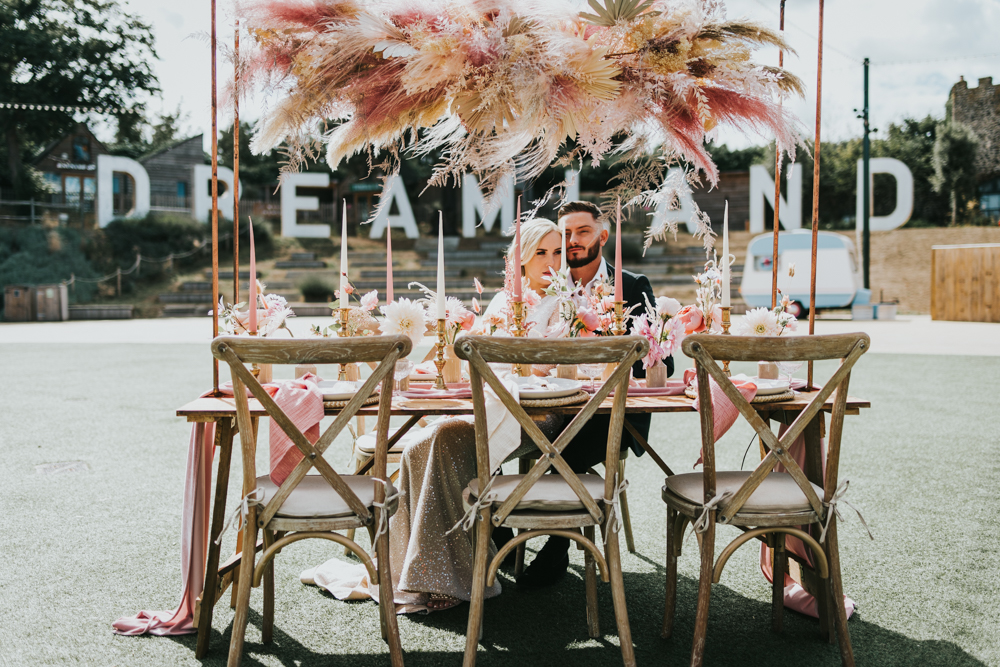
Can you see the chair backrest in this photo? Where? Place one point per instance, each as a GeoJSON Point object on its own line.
{"type": "Point", "coordinates": [238, 351]}
{"type": "Point", "coordinates": [705, 349]}
{"type": "Point", "coordinates": [483, 350]}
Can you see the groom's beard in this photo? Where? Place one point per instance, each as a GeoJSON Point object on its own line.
{"type": "Point", "coordinates": [593, 252]}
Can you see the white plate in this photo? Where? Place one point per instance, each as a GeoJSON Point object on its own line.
{"type": "Point", "coordinates": [770, 387]}
{"type": "Point", "coordinates": [537, 387]}
{"type": "Point", "coordinates": [337, 390]}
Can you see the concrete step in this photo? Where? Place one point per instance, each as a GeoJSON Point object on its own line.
{"type": "Point", "coordinates": [679, 279]}
{"type": "Point", "coordinates": [186, 310]}
{"type": "Point", "coordinates": [414, 274]}
{"type": "Point", "coordinates": [227, 288]}
{"type": "Point", "coordinates": [300, 264]}
{"type": "Point", "coordinates": [227, 274]}
{"type": "Point", "coordinates": [461, 255]}
{"type": "Point", "coordinates": [430, 243]}
{"type": "Point", "coordinates": [303, 256]}
{"type": "Point", "coordinates": [483, 264]}
{"type": "Point", "coordinates": [206, 297]}
{"type": "Point", "coordinates": [494, 246]}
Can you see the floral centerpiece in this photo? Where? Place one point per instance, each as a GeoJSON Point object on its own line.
{"type": "Point", "coordinates": [457, 319]}
{"type": "Point", "coordinates": [403, 317]}
{"type": "Point", "coordinates": [661, 327]}
{"type": "Point", "coordinates": [584, 310]}
{"type": "Point", "coordinates": [272, 315]}
{"type": "Point", "coordinates": [706, 312]}
{"type": "Point", "coordinates": [765, 322]}
{"type": "Point", "coordinates": [360, 319]}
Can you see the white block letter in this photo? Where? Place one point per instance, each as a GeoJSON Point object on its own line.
{"type": "Point", "coordinates": [202, 200]}
{"type": "Point", "coordinates": [762, 187]}
{"type": "Point", "coordinates": [904, 194]}
{"type": "Point", "coordinates": [473, 202]}
{"type": "Point", "coordinates": [395, 189]}
{"type": "Point", "coordinates": [572, 177]}
{"type": "Point", "coordinates": [106, 166]}
{"type": "Point", "coordinates": [291, 203]}
{"type": "Point", "coordinates": [675, 184]}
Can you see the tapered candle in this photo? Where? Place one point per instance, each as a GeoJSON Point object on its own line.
{"type": "Point", "coordinates": [725, 257]}
{"type": "Point", "coordinates": [618, 253]}
{"type": "Point", "coordinates": [441, 308]}
{"type": "Point", "coordinates": [517, 253]}
{"type": "Point", "coordinates": [388, 264]}
{"type": "Point", "coordinates": [562, 264]}
{"type": "Point", "coordinates": [253, 283]}
{"type": "Point", "coordinates": [344, 300]}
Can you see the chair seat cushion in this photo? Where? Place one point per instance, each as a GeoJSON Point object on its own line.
{"type": "Point", "coordinates": [550, 493]}
{"type": "Point", "coordinates": [366, 443]}
{"type": "Point", "coordinates": [777, 493]}
{"type": "Point", "coordinates": [315, 498]}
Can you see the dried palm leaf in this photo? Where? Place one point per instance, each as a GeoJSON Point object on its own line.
{"type": "Point", "coordinates": [746, 31]}
{"type": "Point", "coordinates": [615, 11]}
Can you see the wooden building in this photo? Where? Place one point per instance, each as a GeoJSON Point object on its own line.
{"type": "Point", "coordinates": [69, 166]}
{"type": "Point", "coordinates": [733, 186]}
{"type": "Point", "coordinates": [171, 174]}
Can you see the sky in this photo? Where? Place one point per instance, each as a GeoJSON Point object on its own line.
{"type": "Point", "coordinates": [918, 50]}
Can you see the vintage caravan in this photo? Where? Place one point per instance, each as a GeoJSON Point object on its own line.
{"type": "Point", "coordinates": [839, 283]}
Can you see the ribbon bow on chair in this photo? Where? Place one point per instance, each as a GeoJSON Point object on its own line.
{"type": "Point", "coordinates": [383, 515]}
{"type": "Point", "coordinates": [838, 497]}
{"type": "Point", "coordinates": [468, 520]}
{"type": "Point", "coordinates": [239, 515]}
{"type": "Point", "coordinates": [612, 505]}
{"type": "Point", "coordinates": [701, 523]}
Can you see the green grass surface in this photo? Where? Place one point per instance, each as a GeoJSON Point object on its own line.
{"type": "Point", "coordinates": [83, 548]}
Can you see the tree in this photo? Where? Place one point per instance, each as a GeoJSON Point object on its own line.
{"type": "Point", "coordinates": [86, 53]}
{"type": "Point", "coordinates": [955, 165]}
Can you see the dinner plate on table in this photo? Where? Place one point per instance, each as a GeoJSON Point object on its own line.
{"type": "Point", "coordinates": [534, 387]}
{"type": "Point", "coordinates": [338, 390]}
{"type": "Point", "coordinates": [770, 387]}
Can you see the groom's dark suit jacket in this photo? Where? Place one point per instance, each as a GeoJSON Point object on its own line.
{"type": "Point", "coordinates": [590, 445]}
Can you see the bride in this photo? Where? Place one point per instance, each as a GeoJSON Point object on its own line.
{"type": "Point", "coordinates": [432, 567]}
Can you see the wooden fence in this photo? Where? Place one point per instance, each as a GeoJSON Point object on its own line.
{"type": "Point", "coordinates": [965, 282]}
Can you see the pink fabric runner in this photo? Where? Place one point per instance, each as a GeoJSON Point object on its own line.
{"type": "Point", "coordinates": [796, 597]}
{"type": "Point", "coordinates": [723, 410]}
{"type": "Point", "coordinates": [302, 401]}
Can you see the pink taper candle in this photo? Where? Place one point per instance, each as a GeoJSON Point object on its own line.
{"type": "Point", "coordinates": [618, 254]}
{"type": "Point", "coordinates": [388, 264]}
{"type": "Point", "coordinates": [517, 253]}
{"type": "Point", "coordinates": [253, 283]}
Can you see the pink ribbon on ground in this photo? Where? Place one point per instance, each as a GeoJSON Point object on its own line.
{"type": "Point", "coordinates": [302, 401]}
{"type": "Point", "coordinates": [796, 597]}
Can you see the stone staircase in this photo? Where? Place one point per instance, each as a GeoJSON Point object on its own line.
{"type": "Point", "coordinates": [669, 267]}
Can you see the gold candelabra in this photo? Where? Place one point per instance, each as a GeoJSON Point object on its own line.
{"type": "Point", "coordinates": [345, 314]}
{"type": "Point", "coordinates": [439, 358]}
{"type": "Point", "coordinates": [519, 331]}
{"type": "Point", "coordinates": [618, 326]}
{"type": "Point", "coordinates": [725, 332]}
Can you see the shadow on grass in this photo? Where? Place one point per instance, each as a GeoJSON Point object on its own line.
{"type": "Point", "coordinates": [548, 627]}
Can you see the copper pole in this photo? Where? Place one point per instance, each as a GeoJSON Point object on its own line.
{"type": "Point", "coordinates": [777, 181]}
{"type": "Point", "coordinates": [236, 169]}
{"type": "Point", "coordinates": [215, 209]}
{"type": "Point", "coordinates": [815, 211]}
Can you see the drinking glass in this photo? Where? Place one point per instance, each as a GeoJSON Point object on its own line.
{"type": "Point", "coordinates": [401, 372]}
{"type": "Point", "coordinates": [789, 367]}
{"type": "Point", "coordinates": [592, 371]}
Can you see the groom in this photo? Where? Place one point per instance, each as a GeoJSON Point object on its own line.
{"type": "Point", "coordinates": [585, 237]}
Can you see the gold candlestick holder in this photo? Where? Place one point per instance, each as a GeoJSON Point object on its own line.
{"type": "Point", "coordinates": [345, 314]}
{"type": "Point", "coordinates": [725, 332]}
{"type": "Point", "coordinates": [518, 330]}
{"type": "Point", "coordinates": [439, 358]}
{"type": "Point", "coordinates": [618, 326]}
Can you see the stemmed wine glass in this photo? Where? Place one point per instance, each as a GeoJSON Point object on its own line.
{"type": "Point", "coordinates": [401, 372]}
{"type": "Point", "coordinates": [787, 368]}
{"type": "Point", "coordinates": [592, 371]}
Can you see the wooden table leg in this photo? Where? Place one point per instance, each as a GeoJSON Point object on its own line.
{"type": "Point", "coordinates": [224, 431]}
{"type": "Point", "coordinates": [645, 445]}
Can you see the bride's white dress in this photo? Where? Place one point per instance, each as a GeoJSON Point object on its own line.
{"type": "Point", "coordinates": [436, 466]}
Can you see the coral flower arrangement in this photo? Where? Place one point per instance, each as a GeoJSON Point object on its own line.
{"type": "Point", "coordinates": [500, 86]}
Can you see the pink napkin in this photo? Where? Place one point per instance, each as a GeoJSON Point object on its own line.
{"type": "Point", "coordinates": [454, 391]}
{"type": "Point", "coordinates": [724, 411]}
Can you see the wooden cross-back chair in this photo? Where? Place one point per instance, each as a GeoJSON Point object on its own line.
{"type": "Point", "coordinates": [565, 504]}
{"type": "Point", "coordinates": [764, 504]}
{"type": "Point", "coordinates": [312, 506]}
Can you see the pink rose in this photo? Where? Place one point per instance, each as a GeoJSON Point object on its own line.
{"type": "Point", "coordinates": [716, 318]}
{"type": "Point", "coordinates": [531, 298]}
{"type": "Point", "coordinates": [692, 318]}
{"type": "Point", "coordinates": [467, 320]}
{"type": "Point", "coordinates": [589, 319]}
{"type": "Point", "coordinates": [370, 300]}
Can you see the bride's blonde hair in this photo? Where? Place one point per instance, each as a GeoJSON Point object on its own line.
{"type": "Point", "coordinates": [532, 233]}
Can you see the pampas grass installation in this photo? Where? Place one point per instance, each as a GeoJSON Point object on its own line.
{"type": "Point", "coordinates": [498, 86]}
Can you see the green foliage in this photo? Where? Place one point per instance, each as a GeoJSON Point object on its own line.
{"type": "Point", "coordinates": [954, 160]}
{"type": "Point", "coordinates": [740, 159]}
{"type": "Point", "coordinates": [66, 52]}
{"type": "Point", "coordinates": [258, 173]}
{"type": "Point", "coordinates": [38, 256]}
{"type": "Point", "coordinates": [154, 237]}
{"type": "Point", "coordinates": [316, 290]}
{"type": "Point", "coordinates": [133, 129]}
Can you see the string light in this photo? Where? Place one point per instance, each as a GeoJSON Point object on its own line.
{"type": "Point", "coordinates": [62, 108]}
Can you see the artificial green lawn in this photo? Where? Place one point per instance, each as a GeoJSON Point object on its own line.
{"type": "Point", "coordinates": [80, 549]}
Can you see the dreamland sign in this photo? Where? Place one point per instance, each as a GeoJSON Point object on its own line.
{"type": "Point", "coordinates": [473, 202]}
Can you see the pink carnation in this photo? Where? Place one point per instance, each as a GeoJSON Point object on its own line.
{"type": "Point", "coordinates": [692, 318]}
{"type": "Point", "coordinates": [589, 319]}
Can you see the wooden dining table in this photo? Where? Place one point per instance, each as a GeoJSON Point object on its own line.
{"type": "Point", "coordinates": [222, 411]}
